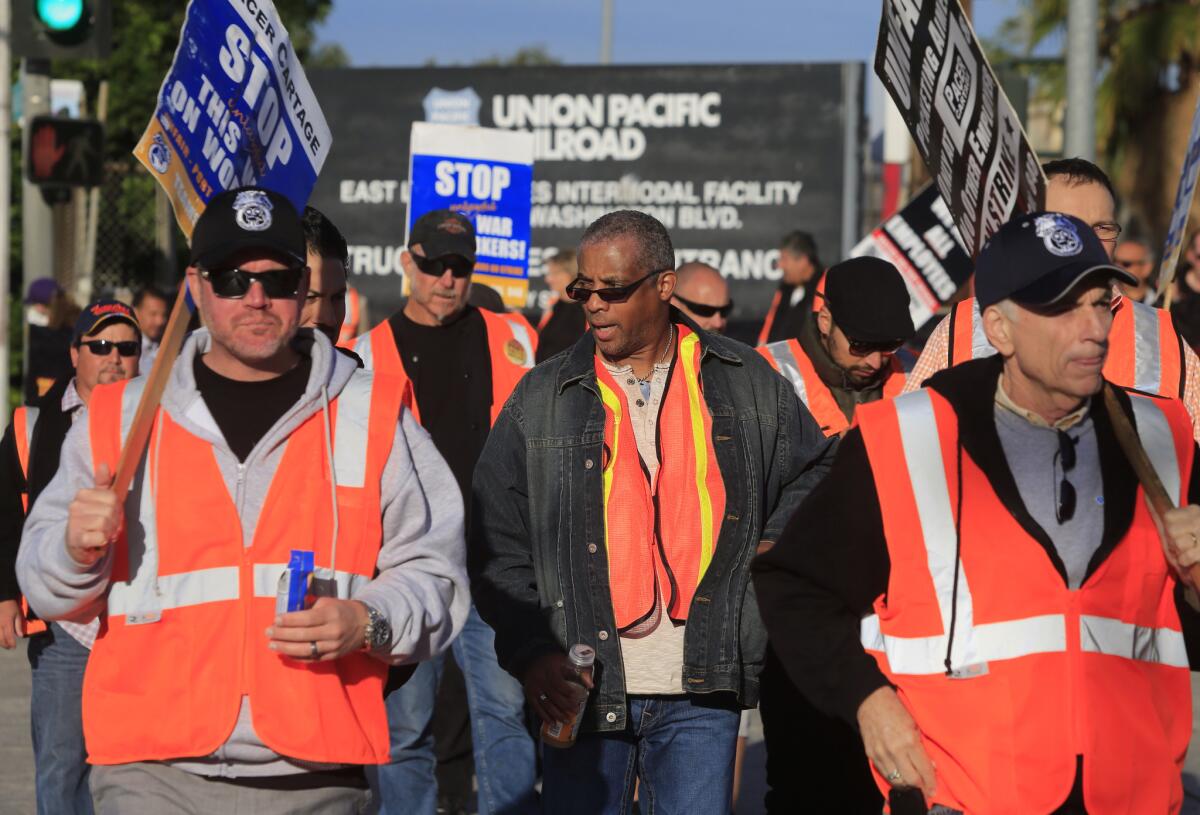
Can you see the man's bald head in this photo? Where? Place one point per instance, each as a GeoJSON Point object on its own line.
{"type": "Point", "coordinates": [700, 288]}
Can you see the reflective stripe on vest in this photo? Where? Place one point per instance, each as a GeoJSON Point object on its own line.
{"type": "Point", "coordinates": [979, 644]}
{"type": "Point", "coordinates": [784, 361]}
{"type": "Point", "coordinates": [1147, 371]}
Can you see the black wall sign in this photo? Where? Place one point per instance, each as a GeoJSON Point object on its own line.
{"type": "Point", "coordinates": [728, 157]}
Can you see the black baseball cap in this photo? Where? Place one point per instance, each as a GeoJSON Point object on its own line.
{"type": "Point", "coordinates": [247, 218]}
{"type": "Point", "coordinates": [1037, 258]}
{"type": "Point", "coordinates": [100, 313]}
{"type": "Point", "coordinates": [444, 232]}
{"type": "Point", "coordinates": [868, 300]}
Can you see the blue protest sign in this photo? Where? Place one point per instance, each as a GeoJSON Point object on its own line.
{"type": "Point", "coordinates": [487, 175]}
{"type": "Point", "coordinates": [235, 109]}
{"type": "Point", "coordinates": [1184, 194]}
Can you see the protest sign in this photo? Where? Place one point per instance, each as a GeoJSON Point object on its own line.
{"type": "Point", "coordinates": [234, 110]}
{"type": "Point", "coordinates": [1183, 205]}
{"type": "Point", "coordinates": [922, 242]}
{"type": "Point", "coordinates": [965, 129]}
{"type": "Point", "coordinates": [487, 175]}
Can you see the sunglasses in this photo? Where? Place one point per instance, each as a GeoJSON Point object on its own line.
{"type": "Point", "coordinates": [1064, 507]}
{"type": "Point", "coordinates": [613, 294]}
{"type": "Point", "coordinates": [1126, 263]}
{"type": "Point", "coordinates": [459, 266]}
{"type": "Point", "coordinates": [702, 310]}
{"type": "Point", "coordinates": [102, 348]}
{"type": "Point", "coordinates": [864, 349]}
{"type": "Point", "coordinates": [233, 284]}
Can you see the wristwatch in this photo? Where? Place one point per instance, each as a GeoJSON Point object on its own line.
{"type": "Point", "coordinates": [377, 634]}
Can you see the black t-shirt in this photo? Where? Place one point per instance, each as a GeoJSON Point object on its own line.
{"type": "Point", "coordinates": [451, 373]}
{"type": "Point", "coordinates": [245, 411]}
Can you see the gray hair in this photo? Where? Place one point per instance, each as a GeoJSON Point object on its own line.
{"type": "Point", "coordinates": [654, 250]}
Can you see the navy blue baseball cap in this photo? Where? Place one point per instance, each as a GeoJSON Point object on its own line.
{"type": "Point", "coordinates": [1037, 258]}
{"type": "Point", "coordinates": [100, 313]}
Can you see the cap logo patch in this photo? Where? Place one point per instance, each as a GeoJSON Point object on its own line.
{"type": "Point", "coordinates": [453, 226]}
{"type": "Point", "coordinates": [252, 210]}
{"type": "Point", "coordinates": [1059, 235]}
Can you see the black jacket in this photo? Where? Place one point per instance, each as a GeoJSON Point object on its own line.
{"type": "Point", "coordinates": [832, 561]}
{"type": "Point", "coordinates": [46, 444]}
{"type": "Point", "coordinates": [539, 573]}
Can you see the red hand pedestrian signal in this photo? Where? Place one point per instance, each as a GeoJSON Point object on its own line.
{"type": "Point", "coordinates": [65, 152]}
{"type": "Point", "coordinates": [46, 151]}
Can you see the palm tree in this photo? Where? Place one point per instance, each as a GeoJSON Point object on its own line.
{"type": "Point", "coordinates": [1150, 62]}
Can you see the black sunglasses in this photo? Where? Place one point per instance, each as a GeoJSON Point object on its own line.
{"type": "Point", "coordinates": [702, 310]}
{"type": "Point", "coordinates": [102, 348]}
{"type": "Point", "coordinates": [233, 284]}
{"type": "Point", "coordinates": [1064, 508]}
{"type": "Point", "coordinates": [864, 349]}
{"type": "Point", "coordinates": [613, 294]}
{"type": "Point", "coordinates": [459, 266]}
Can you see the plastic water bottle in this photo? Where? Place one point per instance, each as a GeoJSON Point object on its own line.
{"type": "Point", "coordinates": [562, 734]}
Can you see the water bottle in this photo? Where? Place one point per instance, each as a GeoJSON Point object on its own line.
{"type": "Point", "coordinates": [562, 734]}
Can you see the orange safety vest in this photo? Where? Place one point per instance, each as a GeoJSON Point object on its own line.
{"type": "Point", "coordinates": [349, 327]}
{"type": "Point", "coordinates": [772, 310]}
{"type": "Point", "coordinates": [24, 420]}
{"type": "Point", "coordinates": [183, 638]}
{"type": "Point", "coordinates": [660, 535]}
{"type": "Point", "coordinates": [789, 359]}
{"type": "Point", "coordinates": [1145, 352]}
{"type": "Point", "coordinates": [511, 341]}
{"type": "Point", "coordinates": [1034, 674]}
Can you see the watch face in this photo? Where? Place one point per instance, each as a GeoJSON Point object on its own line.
{"type": "Point", "coordinates": [381, 630]}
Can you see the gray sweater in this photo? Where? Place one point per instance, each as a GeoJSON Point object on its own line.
{"type": "Point", "coordinates": [422, 584]}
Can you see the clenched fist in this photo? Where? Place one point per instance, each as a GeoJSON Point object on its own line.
{"type": "Point", "coordinates": [94, 520]}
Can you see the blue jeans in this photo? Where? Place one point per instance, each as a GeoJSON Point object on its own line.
{"type": "Point", "coordinates": [682, 752]}
{"type": "Point", "coordinates": [503, 749]}
{"type": "Point", "coordinates": [56, 719]}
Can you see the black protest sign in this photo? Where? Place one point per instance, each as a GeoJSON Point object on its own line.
{"type": "Point", "coordinates": [921, 241]}
{"type": "Point", "coordinates": [965, 129]}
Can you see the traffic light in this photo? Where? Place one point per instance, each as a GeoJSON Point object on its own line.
{"type": "Point", "coordinates": [65, 152]}
{"type": "Point", "coordinates": [61, 29]}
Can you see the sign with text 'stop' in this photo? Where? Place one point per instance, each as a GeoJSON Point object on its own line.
{"type": "Point", "coordinates": [964, 126]}
{"type": "Point", "coordinates": [487, 175]}
{"type": "Point", "coordinates": [234, 110]}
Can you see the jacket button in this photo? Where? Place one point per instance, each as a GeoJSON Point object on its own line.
{"type": "Point", "coordinates": [610, 717]}
{"type": "Point", "coordinates": [589, 464]}
{"type": "Point", "coordinates": [558, 604]}
{"type": "Point", "coordinates": [591, 548]}
{"type": "Point", "coordinates": [603, 635]}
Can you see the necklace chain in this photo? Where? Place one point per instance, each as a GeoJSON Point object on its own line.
{"type": "Point", "coordinates": [666, 351]}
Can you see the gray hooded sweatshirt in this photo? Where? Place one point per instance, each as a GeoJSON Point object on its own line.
{"type": "Point", "coordinates": [421, 586]}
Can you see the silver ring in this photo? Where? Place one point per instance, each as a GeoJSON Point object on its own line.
{"type": "Point", "coordinates": [542, 697]}
{"type": "Point", "coordinates": [894, 777]}
{"type": "Point", "coordinates": [315, 653]}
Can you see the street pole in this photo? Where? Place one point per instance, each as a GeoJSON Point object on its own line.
{"type": "Point", "coordinates": [1082, 57]}
{"type": "Point", "coordinates": [37, 244]}
{"type": "Point", "coordinates": [5, 191]}
{"type": "Point", "coordinates": [606, 32]}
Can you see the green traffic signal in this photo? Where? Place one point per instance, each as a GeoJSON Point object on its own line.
{"type": "Point", "coordinates": [60, 15]}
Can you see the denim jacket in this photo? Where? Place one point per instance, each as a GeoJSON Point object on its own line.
{"type": "Point", "coordinates": [537, 558]}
